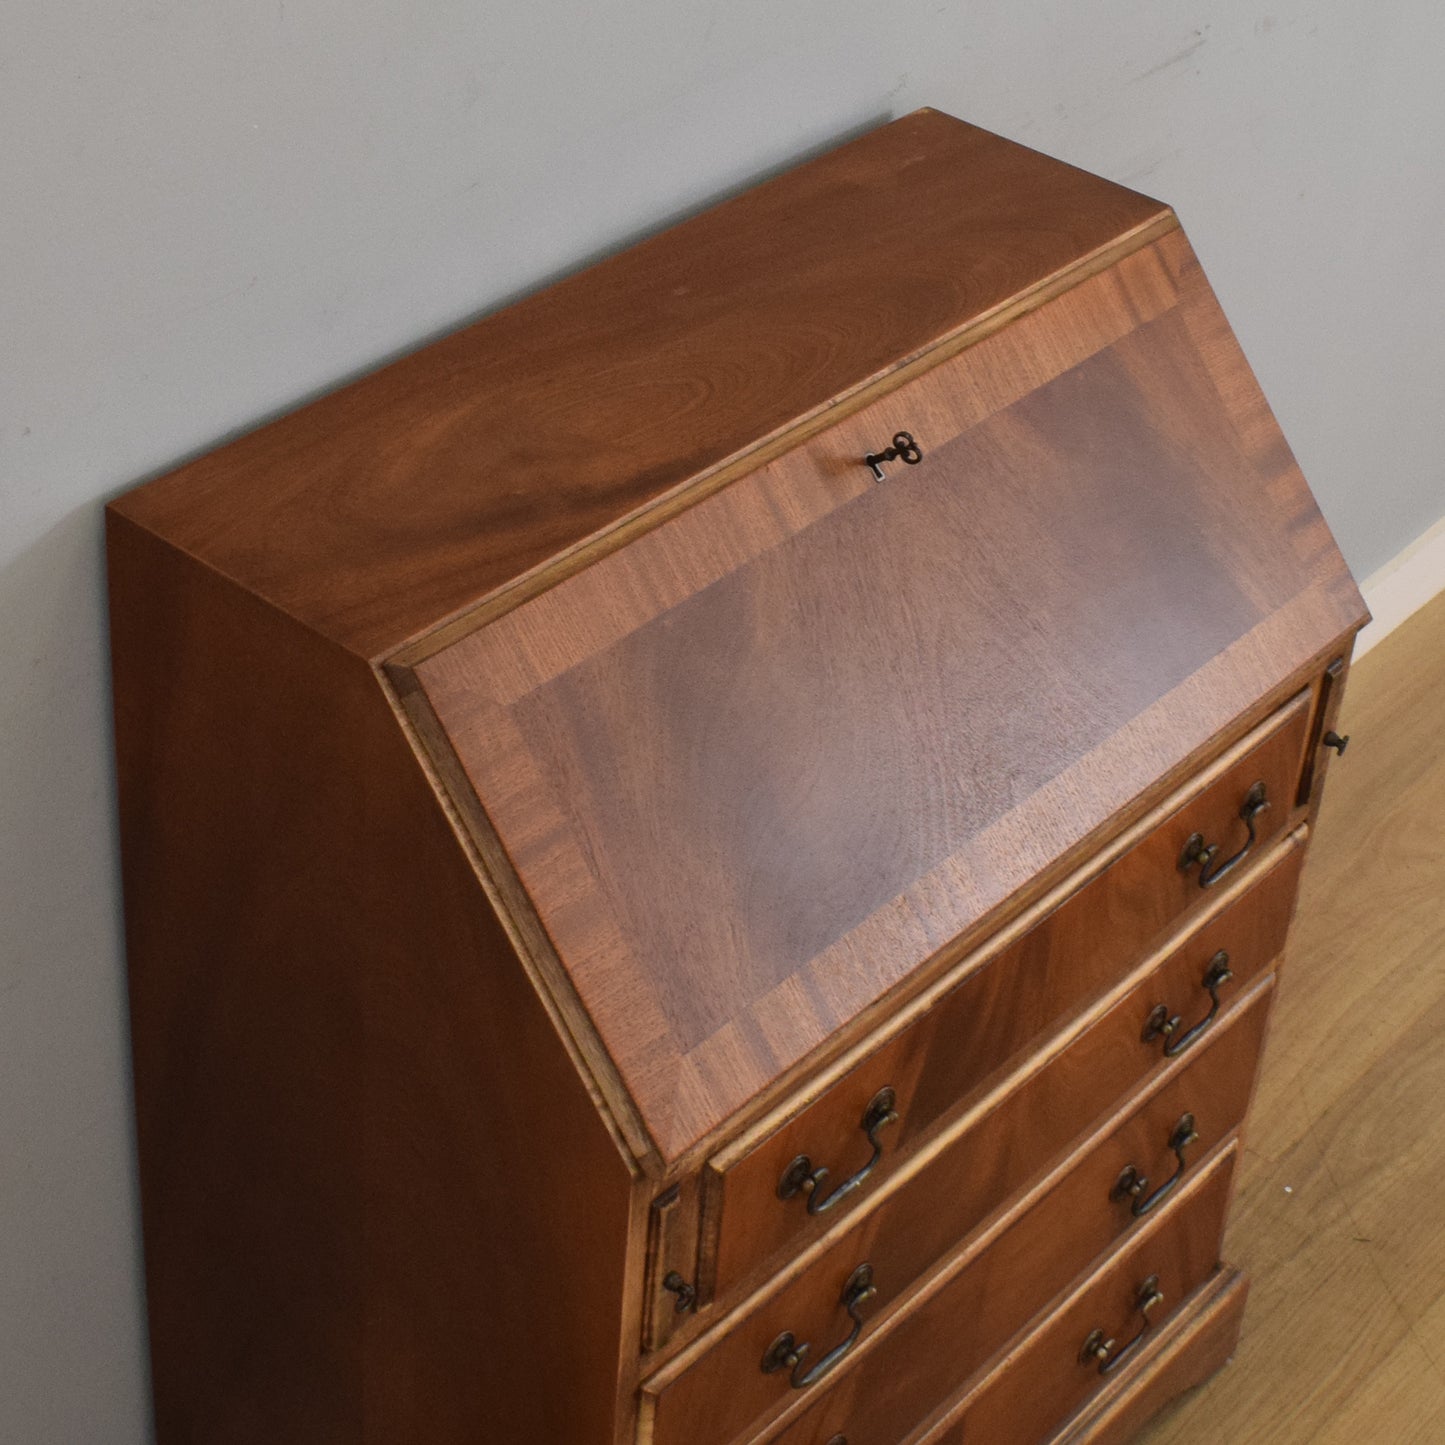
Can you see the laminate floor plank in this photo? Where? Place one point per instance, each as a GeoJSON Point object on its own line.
{"type": "Point", "coordinates": [1395, 1403]}
{"type": "Point", "coordinates": [1340, 1216]}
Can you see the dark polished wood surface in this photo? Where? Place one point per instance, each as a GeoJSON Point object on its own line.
{"type": "Point", "coordinates": [397, 500]}
{"type": "Point", "coordinates": [339, 1067]}
{"type": "Point", "coordinates": [797, 741]}
{"type": "Point", "coordinates": [907, 1375]}
{"type": "Point", "coordinates": [968, 1039]}
{"type": "Point", "coordinates": [1186, 1350]}
{"type": "Point", "coordinates": [1009, 1147]}
{"type": "Point", "coordinates": [555, 777]}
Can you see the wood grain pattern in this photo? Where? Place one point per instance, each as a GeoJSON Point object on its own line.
{"type": "Point", "coordinates": [1187, 1349]}
{"type": "Point", "coordinates": [1190, 1348]}
{"type": "Point", "coordinates": [1081, 951]}
{"type": "Point", "coordinates": [672, 1283]}
{"type": "Point", "coordinates": [731, 877]}
{"type": "Point", "coordinates": [386, 506]}
{"type": "Point", "coordinates": [726, 763]}
{"type": "Point", "coordinates": [592, 610]}
{"type": "Point", "coordinates": [335, 1058]}
{"type": "Point", "coordinates": [1337, 1214]}
{"type": "Point", "coordinates": [551, 763]}
{"type": "Point", "coordinates": [1013, 1140]}
{"type": "Point", "coordinates": [909, 1371]}
{"type": "Point", "coordinates": [1263, 448]}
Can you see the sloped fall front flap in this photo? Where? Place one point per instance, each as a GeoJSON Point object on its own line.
{"type": "Point", "coordinates": [755, 768]}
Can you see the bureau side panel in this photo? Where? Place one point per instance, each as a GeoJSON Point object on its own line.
{"type": "Point", "coordinates": [379, 1204]}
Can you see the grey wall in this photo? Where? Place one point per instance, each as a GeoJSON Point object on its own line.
{"type": "Point", "coordinates": [208, 212]}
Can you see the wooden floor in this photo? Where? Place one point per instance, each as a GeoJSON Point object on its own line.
{"type": "Point", "coordinates": [1340, 1216]}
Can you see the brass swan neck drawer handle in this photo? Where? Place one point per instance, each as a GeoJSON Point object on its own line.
{"type": "Point", "coordinates": [1162, 1024]}
{"type": "Point", "coordinates": [1099, 1347]}
{"type": "Point", "coordinates": [801, 1177]}
{"type": "Point", "coordinates": [785, 1353]}
{"type": "Point", "coordinates": [904, 449]}
{"type": "Point", "coordinates": [1131, 1184]}
{"type": "Point", "coordinates": [1196, 850]}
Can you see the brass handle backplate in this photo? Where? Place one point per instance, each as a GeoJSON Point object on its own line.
{"type": "Point", "coordinates": [1099, 1347]}
{"type": "Point", "coordinates": [1131, 1184]}
{"type": "Point", "coordinates": [1196, 850]}
{"type": "Point", "coordinates": [1162, 1024]}
{"type": "Point", "coordinates": [785, 1353]}
{"type": "Point", "coordinates": [802, 1177]}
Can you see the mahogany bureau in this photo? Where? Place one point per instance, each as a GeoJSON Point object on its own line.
{"type": "Point", "coordinates": [706, 858]}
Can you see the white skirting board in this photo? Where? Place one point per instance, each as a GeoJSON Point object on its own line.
{"type": "Point", "coordinates": [1404, 585]}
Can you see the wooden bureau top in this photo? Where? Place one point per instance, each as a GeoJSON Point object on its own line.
{"type": "Point", "coordinates": [376, 512]}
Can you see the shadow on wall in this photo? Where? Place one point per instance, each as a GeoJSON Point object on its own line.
{"type": "Point", "coordinates": [68, 1197]}
{"type": "Point", "coordinates": [70, 1254]}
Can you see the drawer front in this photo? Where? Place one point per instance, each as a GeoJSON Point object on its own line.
{"type": "Point", "coordinates": [722, 1391]}
{"type": "Point", "coordinates": [1179, 1353]}
{"type": "Point", "coordinates": [1188, 1349]}
{"type": "Point", "coordinates": [1075, 953]}
{"type": "Point", "coordinates": [1042, 1380]}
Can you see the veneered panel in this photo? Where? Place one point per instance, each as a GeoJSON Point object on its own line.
{"type": "Point", "coordinates": [1035, 1385]}
{"type": "Point", "coordinates": [719, 1384]}
{"type": "Point", "coordinates": [752, 780]}
{"type": "Point", "coordinates": [337, 1061]}
{"type": "Point", "coordinates": [971, 1035]}
{"type": "Point", "coordinates": [375, 512]}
